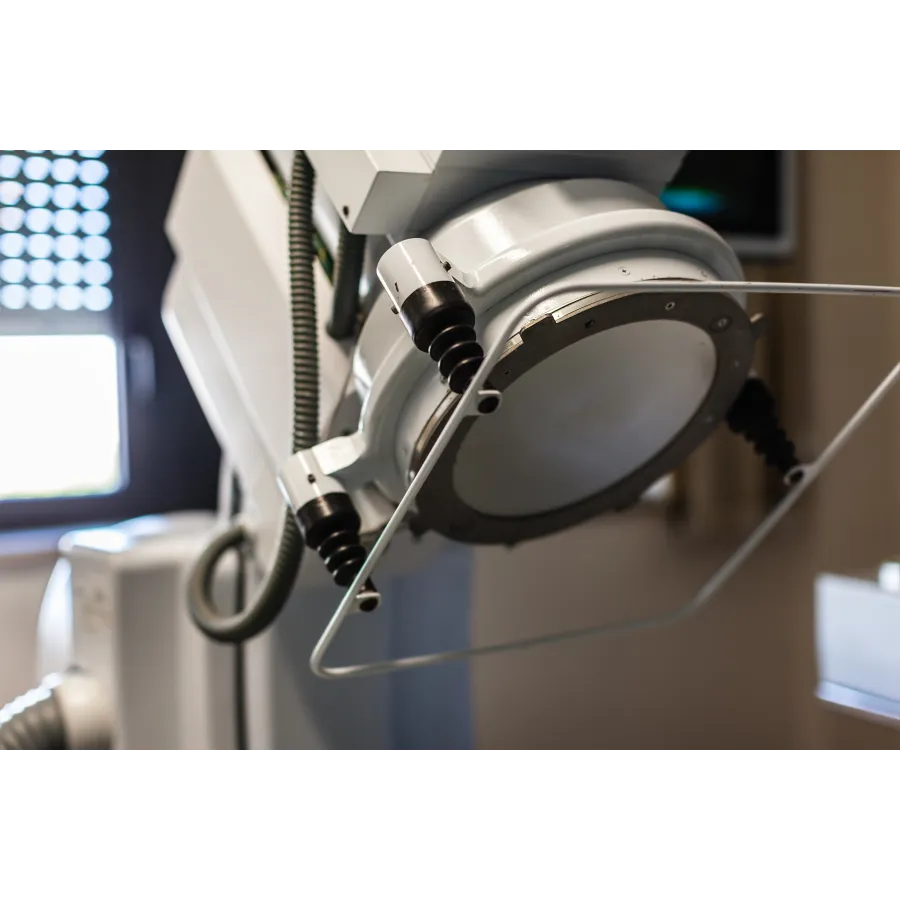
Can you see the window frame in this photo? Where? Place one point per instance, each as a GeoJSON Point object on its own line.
{"type": "Point", "coordinates": [170, 459]}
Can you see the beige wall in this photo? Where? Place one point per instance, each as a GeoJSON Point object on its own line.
{"type": "Point", "coordinates": [742, 674]}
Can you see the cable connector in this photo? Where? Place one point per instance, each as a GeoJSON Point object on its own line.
{"type": "Point", "coordinates": [325, 513]}
{"type": "Point", "coordinates": [753, 415]}
{"type": "Point", "coordinates": [434, 310]}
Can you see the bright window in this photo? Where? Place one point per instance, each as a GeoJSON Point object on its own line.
{"type": "Point", "coordinates": [59, 412]}
{"type": "Point", "coordinates": [60, 428]}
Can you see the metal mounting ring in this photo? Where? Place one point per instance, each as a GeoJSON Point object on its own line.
{"type": "Point", "coordinates": [439, 506]}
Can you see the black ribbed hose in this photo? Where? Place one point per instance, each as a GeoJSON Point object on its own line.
{"type": "Point", "coordinates": [351, 254]}
{"type": "Point", "coordinates": [33, 722]}
{"type": "Point", "coordinates": [754, 416]}
{"type": "Point", "coordinates": [271, 597]}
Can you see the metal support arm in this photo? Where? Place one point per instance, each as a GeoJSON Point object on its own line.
{"type": "Point", "coordinates": [468, 406]}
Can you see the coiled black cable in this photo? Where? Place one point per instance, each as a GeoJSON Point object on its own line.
{"type": "Point", "coordinates": [33, 722]}
{"type": "Point", "coordinates": [304, 334]}
{"type": "Point", "coordinates": [271, 597]}
{"type": "Point", "coordinates": [753, 415]}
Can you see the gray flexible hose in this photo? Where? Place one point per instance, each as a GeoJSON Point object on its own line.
{"type": "Point", "coordinates": [351, 255]}
{"type": "Point", "coordinates": [33, 722]}
{"type": "Point", "coordinates": [271, 597]}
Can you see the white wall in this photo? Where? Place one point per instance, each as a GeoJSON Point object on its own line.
{"type": "Point", "coordinates": [22, 582]}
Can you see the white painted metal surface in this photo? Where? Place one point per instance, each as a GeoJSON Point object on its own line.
{"type": "Point", "coordinates": [374, 191]}
{"type": "Point", "coordinates": [408, 266]}
{"type": "Point", "coordinates": [405, 192]}
{"type": "Point", "coordinates": [227, 310]}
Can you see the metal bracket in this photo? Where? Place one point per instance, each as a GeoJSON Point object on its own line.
{"type": "Point", "coordinates": [469, 405]}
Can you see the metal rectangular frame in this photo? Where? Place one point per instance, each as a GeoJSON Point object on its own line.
{"type": "Point", "coordinates": [468, 406]}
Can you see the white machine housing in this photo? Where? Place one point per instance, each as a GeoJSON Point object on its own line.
{"type": "Point", "coordinates": [524, 229]}
{"type": "Point", "coordinates": [857, 621]}
{"type": "Point", "coordinates": [226, 309]}
{"type": "Point", "coordinates": [663, 370]}
{"type": "Point", "coordinates": [114, 609]}
{"type": "Point", "coordinates": [406, 192]}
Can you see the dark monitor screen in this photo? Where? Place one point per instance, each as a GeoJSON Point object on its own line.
{"type": "Point", "coordinates": [748, 196]}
